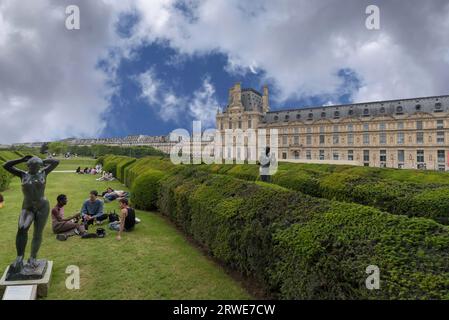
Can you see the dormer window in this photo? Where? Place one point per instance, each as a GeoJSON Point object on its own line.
{"type": "Point", "coordinates": [286, 117]}
{"type": "Point", "coordinates": [323, 114]}
{"type": "Point", "coordinates": [298, 116]}
{"type": "Point", "coordinates": [350, 112]}
{"type": "Point", "coordinates": [382, 110]}
{"type": "Point", "coordinates": [438, 107]}
{"type": "Point", "coordinates": [365, 112]}
{"type": "Point", "coordinates": [336, 114]}
{"type": "Point", "coordinates": [418, 107]}
{"type": "Point", "coordinates": [276, 118]}
{"type": "Point", "coordinates": [399, 110]}
{"type": "Point", "coordinates": [310, 116]}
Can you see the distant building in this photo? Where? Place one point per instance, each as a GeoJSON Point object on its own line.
{"type": "Point", "coordinates": [406, 133]}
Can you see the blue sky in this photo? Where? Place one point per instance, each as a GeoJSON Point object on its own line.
{"type": "Point", "coordinates": [149, 67]}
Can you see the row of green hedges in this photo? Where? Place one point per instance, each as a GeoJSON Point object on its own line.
{"type": "Point", "coordinates": [297, 246]}
{"type": "Point", "coordinates": [409, 192]}
{"type": "Point", "coordinates": [5, 178]}
{"type": "Point", "coordinates": [301, 247]}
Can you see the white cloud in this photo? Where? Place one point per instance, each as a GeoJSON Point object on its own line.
{"type": "Point", "coordinates": [200, 105]}
{"type": "Point", "coordinates": [301, 45]}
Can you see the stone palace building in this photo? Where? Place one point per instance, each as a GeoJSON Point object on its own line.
{"type": "Point", "coordinates": [406, 133]}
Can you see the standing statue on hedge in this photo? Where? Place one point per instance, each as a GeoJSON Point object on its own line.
{"type": "Point", "coordinates": [267, 163]}
{"type": "Point", "coordinates": [35, 208]}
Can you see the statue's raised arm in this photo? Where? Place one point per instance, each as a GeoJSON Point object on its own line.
{"type": "Point", "coordinates": [10, 166]}
{"type": "Point", "coordinates": [50, 165]}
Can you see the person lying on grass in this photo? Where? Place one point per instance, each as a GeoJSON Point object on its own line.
{"type": "Point", "coordinates": [2, 200]}
{"type": "Point", "coordinates": [111, 194]}
{"type": "Point", "coordinates": [92, 210]}
{"type": "Point", "coordinates": [62, 226]}
{"type": "Point", "coordinates": [127, 219]}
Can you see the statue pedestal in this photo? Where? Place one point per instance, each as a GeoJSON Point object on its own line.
{"type": "Point", "coordinates": [43, 273]}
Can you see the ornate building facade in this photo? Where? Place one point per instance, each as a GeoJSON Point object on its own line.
{"type": "Point", "coordinates": [407, 133]}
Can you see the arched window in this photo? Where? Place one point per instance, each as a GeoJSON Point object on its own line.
{"type": "Point", "coordinates": [382, 110]}
{"type": "Point", "coordinates": [323, 114]}
{"type": "Point", "coordinates": [350, 112]}
{"type": "Point", "coordinates": [286, 117]}
{"type": "Point", "coordinates": [298, 116]}
{"type": "Point", "coordinates": [311, 115]}
{"type": "Point", "coordinates": [336, 114]}
{"type": "Point", "coordinates": [366, 112]}
{"type": "Point", "coordinates": [276, 118]}
{"type": "Point", "coordinates": [399, 109]}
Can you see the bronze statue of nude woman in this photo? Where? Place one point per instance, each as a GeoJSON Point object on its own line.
{"type": "Point", "coordinates": [35, 208]}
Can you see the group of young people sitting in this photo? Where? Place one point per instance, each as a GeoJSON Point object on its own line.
{"type": "Point", "coordinates": [91, 213]}
{"type": "Point", "coordinates": [97, 170]}
{"type": "Point", "coordinates": [107, 176]}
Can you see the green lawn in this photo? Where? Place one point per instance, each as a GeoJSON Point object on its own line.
{"type": "Point", "coordinates": [153, 262]}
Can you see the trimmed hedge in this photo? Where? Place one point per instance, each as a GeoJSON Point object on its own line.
{"type": "Point", "coordinates": [393, 190]}
{"type": "Point", "coordinates": [300, 247]}
{"type": "Point", "coordinates": [5, 178]}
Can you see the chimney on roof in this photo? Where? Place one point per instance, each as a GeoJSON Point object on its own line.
{"type": "Point", "coordinates": [265, 99]}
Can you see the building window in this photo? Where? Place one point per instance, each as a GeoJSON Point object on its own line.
{"type": "Point", "coordinates": [440, 124]}
{"type": "Point", "coordinates": [350, 138]}
{"type": "Point", "coordinates": [350, 112]}
{"type": "Point", "coordinates": [296, 130]}
{"type": "Point", "coordinates": [284, 155]}
{"type": "Point", "coordinates": [336, 115]}
{"type": "Point", "coordinates": [399, 110]}
{"type": "Point", "coordinates": [240, 124]}
{"type": "Point", "coordinates": [420, 137]}
{"type": "Point", "coordinates": [310, 116]}
{"type": "Point", "coordinates": [365, 112]}
{"type": "Point", "coordinates": [308, 155]}
{"type": "Point", "coordinates": [249, 124]}
{"type": "Point", "coordinates": [382, 126]}
{"type": "Point", "coordinates": [438, 107]}
{"type": "Point", "coordinates": [335, 155]}
{"type": "Point", "coordinates": [284, 140]}
{"type": "Point", "coordinates": [296, 154]}
{"type": "Point", "coordinates": [296, 140]}
{"type": "Point", "coordinates": [365, 127]}
{"type": "Point", "coordinates": [440, 137]}
{"type": "Point", "coordinates": [230, 125]}
{"type": "Point", "coordinates": [418, 107]}
{"type": "Point", "coordinates": [400, 125]}
{"type": "Point", "coordinates": [286, 118]}
{"type": "Point", "coordinates": [441, 156]}
{"type": "Point", "coordinates": [276, 118]}
{"type": "Point", "coordinates": [351, 155]}
{"type": "Point", "coordinates": [382, 110]}
{"type": "Point", "coordinates": [322, 129]}
{"type": "Point", "coordinates": [321, 138]}
{"type": "Point", "coordinates": [309, 130]}
{"type": "Point", "coordinates": [321, 154]}
{"type": "Point", "coordinates": [335, 128]}
{"type": "Point", "coordinates": [366, 138]}
{"type": "Point", "coordinates": [365, 155]}
{"type": "Point", "coordinates": [401, 156]}
{"type": "Point", "coordinates": [298, 116]}
{"type": "Point", "coordinates": [350, 127]}
{"type": "Point", "coordinates": [383, 156]}
{"type": "Point", "coordinates": [323, 114]}
{"type": "Point", "coordinates": [382, 138]}
{"type": "Point", "coordinates": [335, 139]}
{"type": "Point", "coordinates": [221, 126]}
{"type": "Point", "coordinates": [401, 138]}
{"type": "Point", "coordinates": [419, 125]}
{"type": "Point", "coordinates": [420, 156]}
{"type": "Point", "coordinates": [309, 139]}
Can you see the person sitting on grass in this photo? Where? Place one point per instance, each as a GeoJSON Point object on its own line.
{"type": "Point", "coordinates": [63, 226]}
{"type": "Point", "coordinates": [2, 200]}
{"type": "Point", "coordinates": [127, 219]}
{"type": "Point", "coordinates": [78, 170]}
{"type": "Point", "coordinates": [92, 210]}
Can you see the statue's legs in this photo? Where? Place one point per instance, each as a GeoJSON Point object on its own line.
{"type": "Point", "coordinates": [39, 224]}
{"type": "Point", "coordinates": [25, 220]}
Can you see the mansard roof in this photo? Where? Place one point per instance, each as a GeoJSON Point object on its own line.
{"type": "Point", "coordinates": [432, 105]}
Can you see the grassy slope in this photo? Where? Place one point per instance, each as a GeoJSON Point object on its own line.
{"type": "Point", "coordinates": [154, 262]}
